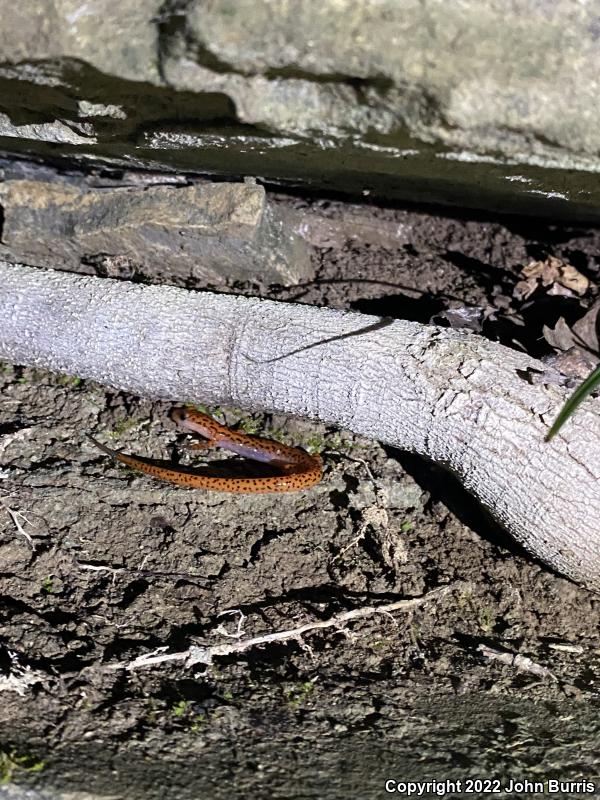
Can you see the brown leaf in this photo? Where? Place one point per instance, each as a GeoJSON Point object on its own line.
{"type": "Point", "coordinates": [572, 279]}
{"type": "Point", "coordinates": [561, 338]}
{"type": "Point", "coordinates": [583, 334]}
{"type": "Point", "coordinates": [557, 289]}
{"type": "Point", "coordinates": [524, 289]}
{"type": "Point", "coordinates": [559, 275]}
{"type": "Point", "coordinates": [586, 329]}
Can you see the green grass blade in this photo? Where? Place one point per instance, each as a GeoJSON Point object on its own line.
{"type": "Point", "coordinates": [587, 387]}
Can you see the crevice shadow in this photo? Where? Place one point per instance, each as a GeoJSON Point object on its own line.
{"type": "Point", "coordinates": [444, 486]}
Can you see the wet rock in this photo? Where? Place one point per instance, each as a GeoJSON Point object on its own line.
{"type": "Point", "coordinates": [454, 103]}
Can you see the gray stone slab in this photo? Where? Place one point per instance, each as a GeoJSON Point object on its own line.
{"type": "Point", "coordinates": [209, 232]}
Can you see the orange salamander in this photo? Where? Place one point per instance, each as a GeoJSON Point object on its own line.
{"type": "Point", "coordinates": [299, 469]}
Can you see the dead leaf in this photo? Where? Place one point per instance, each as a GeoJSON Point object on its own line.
{"type": "Point", "coordinates": [559, 275]}
{"type": "Point", "coordinates": [558, 290]}
{"type": "Point", "coordinates": [470, 317]}
{"type": "Point", "coordinates": [561, 337]}
{"type": "Point", "coordinates": [571, 278]}
{"type": "Point", "coordinates": [586, 329]}
{"type": "Point", "coordinates": [583, 335]}
{"type": "Point", "coordinates": [524, 289]}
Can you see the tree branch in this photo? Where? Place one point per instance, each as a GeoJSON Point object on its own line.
{"type": "Point", "coordinates": [451, 396]}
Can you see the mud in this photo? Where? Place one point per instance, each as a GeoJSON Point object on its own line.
{"type": "Point", "coordinates": [100, 566]}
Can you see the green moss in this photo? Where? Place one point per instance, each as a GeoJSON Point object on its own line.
{"type": "Point", "coordinates": [296, 696]}
{"type": "Point", "coordinates": [47, 585]}
{"type": "Point", "coordinates": [415, 633]}
{"type": "Point", "coordinates": [314, 444]}
{"type": "Point", "coordinates": [484, 615]}
{"type": "Point", "coordinates": [379, 644]}
{"type": "Point", "coordinates": [211, 411]}
{"type": "Point", "coordinates": [202, 408]}
{"type": "Point", "coordinates": [276, 433]}
{"type": "Point", "coordinates": [11, 762]}
{"type": "Point", "coordinates": [464, 599]}
{"type": "Point", "coordinates": [70, 381]}
{"type": "Point", "coordinates": [485, 619]}
{"type": "Point", "coordinates": [188, 719]}
{"type": "Point", "coordinates": [153, 713]}
{"type": "Point", "coordinates": [198, 722]}
{"type": "Point", "coordinates": [127, 424]}
{"type": "Point", "coordinates": [179, 709]}
{"type": "Point", "coordinates": [249, 426]}
{"type": "Point", "coordinates": [336, 441]}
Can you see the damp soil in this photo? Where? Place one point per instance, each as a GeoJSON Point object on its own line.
{"type": "Point", "coordinates": [494, 677]}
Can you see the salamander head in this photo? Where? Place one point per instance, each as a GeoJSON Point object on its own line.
{"type": "Point", "coordinates": [177, 415]}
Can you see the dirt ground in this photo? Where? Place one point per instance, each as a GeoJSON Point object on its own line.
{"type": "Point", "coordinates": [496, 677]}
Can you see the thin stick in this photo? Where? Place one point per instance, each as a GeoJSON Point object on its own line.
{"type": "Point", "coordinates": [197, 654]}
{"type": "Point", "coordinates": [16, 517]}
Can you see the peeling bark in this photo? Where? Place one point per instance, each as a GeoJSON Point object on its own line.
{"type": "Point", "coordinates": [450, 396]}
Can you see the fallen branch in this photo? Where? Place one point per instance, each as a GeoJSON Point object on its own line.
{"type": "Point", "coordinates": [451, 396]}
{"type": "Point", "coordinates": [205, 654]}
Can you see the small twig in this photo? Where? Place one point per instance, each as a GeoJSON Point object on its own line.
{"type": "Point", "coordinates": [373, 517]}
{"type": "Point", "coordinates": [567, 648]}
{"type": "Point", "coordinates": [197, 654]}
{"type": "Point", "coordinates": [522, 663]}
{"type": "Point", "coordinates": [16, 517]}
{"type": "Point", "coordinates": [112, 571]}
{"type": "Point", "coordinates": [355, 459]}
{"type": "Point", "coordinates": [154, 657]}
{"type": "Point", "coordinates": [240, 624]}
{"type": "Point", "coordinates": [151, 573]}
{"type": "Point", "coordinates": [99, 568]}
